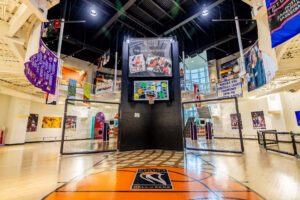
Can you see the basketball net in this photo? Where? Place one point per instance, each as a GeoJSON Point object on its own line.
{"type": "Point", "coordinates": [151, 99]}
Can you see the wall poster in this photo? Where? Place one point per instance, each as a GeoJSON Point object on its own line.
{"type": "Point", "coordinates": [51, 122]}
{"type": "Point", "coordinates": [284, 20]}
{"type": "Point", "coordinates": [260, 68]}
{"type": "Point", "coordinates": [87, 91]}
{"type": "Point", "coordinates": [150, 57]}
{"type": "Point", "coordinates": [258, 120]}
{"type": "Point", "coordinates": [298, 117]}
{"type": "Point", "coordinates": [71, 122]}
{"type": "Point", "coordinates": [32, 122]}
{"type": "Point", "coordinates": [235, 121]}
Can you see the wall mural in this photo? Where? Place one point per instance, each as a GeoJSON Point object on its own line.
{"type": "Point", "coordinates": [51, 122]}
{"type": "Point", "coordinates": [32, 123]}
{"type": "Point", "coordinates": [258, 120]}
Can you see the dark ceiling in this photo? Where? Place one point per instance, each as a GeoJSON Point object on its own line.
{"type": "Point", "coordinates": [120, 19]}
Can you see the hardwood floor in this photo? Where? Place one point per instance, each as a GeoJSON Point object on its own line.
{"type": "Point", "coordinates": [33, 171]}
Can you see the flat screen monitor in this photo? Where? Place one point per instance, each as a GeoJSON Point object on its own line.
{"type": "Point", "coordinates": [150, 57]}
{"type": "Point", "coordinates": [143, 90]}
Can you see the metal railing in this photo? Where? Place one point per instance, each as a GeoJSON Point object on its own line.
{"type": "Point", "coordinates": [262, 136]}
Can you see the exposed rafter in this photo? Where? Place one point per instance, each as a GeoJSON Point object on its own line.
{"type": "Point", "coordinates": [114, 18]}
{"type": "Point", "coordinates": [192, 17]}
{"type": "Point", "coordinates": [150, 16]}
{"type": "Point", "coordinates": [135, 20]}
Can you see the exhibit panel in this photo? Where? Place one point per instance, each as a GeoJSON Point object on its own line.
{"type": "Point", "coordinates": [150, 112]}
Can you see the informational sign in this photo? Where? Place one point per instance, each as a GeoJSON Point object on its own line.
{"type": "Point", "coordinates": [144, 90]}
{"type": "Point", "coordinates": [284, 20]}
{"type": "Point", "coordinates": [230, 88]}
{"type": "Point", "coordinates": [150, 57]}
{"type": "Point", "coordinates": [41, 70]}
{"type": "Point", "coordinates": [72, 89]}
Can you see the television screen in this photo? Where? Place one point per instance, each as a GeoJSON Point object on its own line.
{"type": "Point", "coordinates": [150, 57]}
{"type": "Point", "coordinates": [202, 122]}
{"type": "Point", "coordinates": [143, 90]}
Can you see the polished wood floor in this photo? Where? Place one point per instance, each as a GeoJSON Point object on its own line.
{"type": "Point", "coordinates": [36, 171]}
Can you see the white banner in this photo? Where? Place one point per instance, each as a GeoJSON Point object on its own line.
{"type": "Point", "coordinates": [230, 88]}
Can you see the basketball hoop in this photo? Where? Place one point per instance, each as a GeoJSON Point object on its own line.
{"type": "Point", "coordinates": [151, 99]}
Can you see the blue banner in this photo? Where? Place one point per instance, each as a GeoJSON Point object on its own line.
{"type": "Point", "coordinates": [284, 20]}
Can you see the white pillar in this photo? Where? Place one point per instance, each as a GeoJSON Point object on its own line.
{"type": "Point", "coordinates": [17, 117]}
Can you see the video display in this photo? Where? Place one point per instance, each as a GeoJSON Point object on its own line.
{"type": "Point", "coordinates": [143, 90]}
{"type": "Point", "coordinates": [150, 57]}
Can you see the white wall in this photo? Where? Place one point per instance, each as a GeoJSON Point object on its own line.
{"type": "Point", "coordinates": [4, 103]}
{"type": "Point", "coordinates": [84, 120]}
{"type": "Point", "coordinates": [291, 103]}
{"type": "Point", "coordinates": [222, 124]}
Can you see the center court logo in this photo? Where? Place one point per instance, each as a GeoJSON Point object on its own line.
{"type": "Point", "coordinates": [152, 179]}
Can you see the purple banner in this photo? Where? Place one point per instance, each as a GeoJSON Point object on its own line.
{"type": "Point", "coordinates": [41, 70]}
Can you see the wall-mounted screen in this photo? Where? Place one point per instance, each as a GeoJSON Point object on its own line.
{"type": "Point", "coordinates": [150, 57]}
{"type": "Point", "coordinates": [143, 90]}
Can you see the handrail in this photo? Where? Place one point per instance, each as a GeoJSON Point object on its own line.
{"type": "Point", "coordinates": [293, 141]}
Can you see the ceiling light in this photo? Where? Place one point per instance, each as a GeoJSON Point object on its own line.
{"type": "Point", "coordinates": [204, 12]}
{"type": "Point", "coordinates": [93, 12]}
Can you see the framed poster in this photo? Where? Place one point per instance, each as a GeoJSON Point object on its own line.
{"type": "Point", "coordinates": [51, 122]}
{"type": "Point", "coordinates": [258, 120]}
{"type": "Point", "coordinates": [32, 122]}
{"type": "Point", "coordinates": [71, 122]}
{"type": "Point", "coordinates": [235, 122]}
{"type": "Point", "coordinates": [145, 89]}
{"type": "Point", "coordinates": [298, 117]}
{"type": "Point", "coordinates": [150, 57]}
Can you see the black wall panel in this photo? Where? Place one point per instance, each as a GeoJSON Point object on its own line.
{"type": "Point", "coordinates": [159, 125]}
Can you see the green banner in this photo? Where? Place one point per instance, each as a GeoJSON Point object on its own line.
{"type": "Point", "coordinates": [86, 91]}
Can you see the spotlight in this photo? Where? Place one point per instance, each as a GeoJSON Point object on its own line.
{"type": "Point", "coordinates": [204, 12]}
{"type": "Point", "coordinates": [93, 12]}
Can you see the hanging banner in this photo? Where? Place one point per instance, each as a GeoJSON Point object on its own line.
{"type": "Point", "coordinates": [230, 88]}
{"type": "Point", "coordinates": [86, 91]}
{"type": "Point", "coordinates": [284, 20]}
{"type": "Point", "coordinates": [52, 99]}
{"type": "Point", "coordinates": [260, 68]}
{"type": "Point", "coordinates": [150, 57]}
{"type": "Point", "coordinates": [197, 95]}
{"type": "Point", "coordinates": [41, 70]}
{"type": "Point", "coordinates": [72, 89]}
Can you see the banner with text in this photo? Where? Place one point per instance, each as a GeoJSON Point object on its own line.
{"type": "Point", "coordinates": [284, 20]}
{"type": "Point", "coordinates": [41, 70]}
{"type": "Point", "coordinates": [230, 88]}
